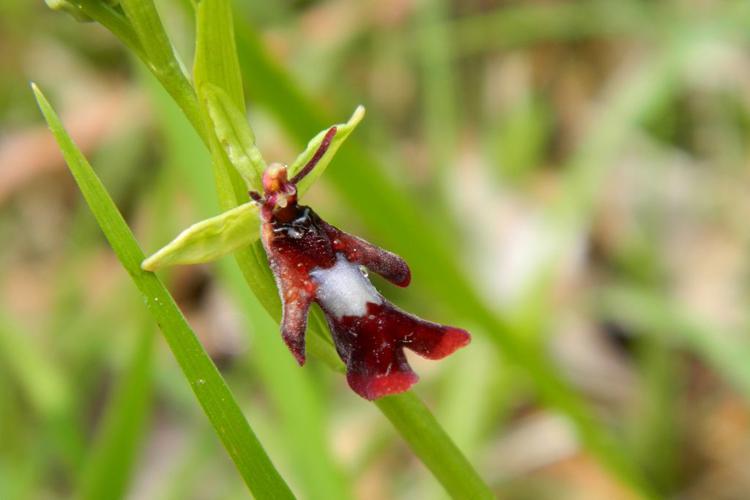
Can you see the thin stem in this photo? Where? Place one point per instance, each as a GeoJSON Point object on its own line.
{"type": "Point", "coordinates": [142, 32]}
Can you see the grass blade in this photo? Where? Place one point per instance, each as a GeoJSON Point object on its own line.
{"type": "Point", "coordinates": [205, 380]}
{"type": "Point", "coordinates": [429, 442]}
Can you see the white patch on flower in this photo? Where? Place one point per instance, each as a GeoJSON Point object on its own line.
{"type": "Point", "coordinates": [343, 290]}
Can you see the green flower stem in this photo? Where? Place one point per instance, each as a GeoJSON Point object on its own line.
{"type": "Point", "coordinates": [143, 33]}
{"type": "Point", "coordinates": [115, 22]}
{"type": "Point", "coordinates": [418, 426]}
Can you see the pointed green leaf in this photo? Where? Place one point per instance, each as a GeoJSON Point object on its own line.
{"type": "Point", "coordinates": [215, 397]}
{"type": "Point", "coordinates": [209, 239]}
{"type": "Point", "coordinates": [342, 132]}
{"type": "Point", "coordinates": [216, 64]}
{"type": "Point", "coordinates": [235, 135]}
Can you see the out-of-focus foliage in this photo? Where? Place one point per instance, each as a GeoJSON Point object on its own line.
{"type": "Point", "coordinates": [566, 178]}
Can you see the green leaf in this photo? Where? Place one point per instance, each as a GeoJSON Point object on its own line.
{"type": "Point", "coordinates": [212, 392]}
{"type": "Point", "coordinates": [215, 50]}
{"type": "Point", "coordinates": [155, 50]}
{"type": "Point", "coordinates": [235, 135]}
{"type": "Point", "coordinates": [216, 65]}
{"type": "Point", "coordinates": [342, 132]}
{"type": "Point", "coordinates": [209, 239]}
{"type": "Point", "coordinates": [114, 20]}
{"type": "Point", "coordinates": [147, 24]}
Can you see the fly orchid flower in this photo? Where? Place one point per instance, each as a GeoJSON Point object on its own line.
{"type": "Point", "coordinates": [313, 261]}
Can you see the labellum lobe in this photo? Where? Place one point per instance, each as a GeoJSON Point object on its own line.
{"type": "Point", "coordinates": [313, 261]}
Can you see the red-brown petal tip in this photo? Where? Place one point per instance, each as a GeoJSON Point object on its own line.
{"type": "Point", "coordinates": [297, 347]}
{"type": "Point", "coordinates": [370, 387]}
{"type": "Point", "coordinates": [300, 358]}
{"type": "Point", "coordinates": [451, 340]}
{"type": "Point", "coordinates": [404, 281]}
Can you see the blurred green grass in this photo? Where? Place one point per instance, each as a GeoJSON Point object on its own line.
{"type": "Point", "coordinates": [621, 125]}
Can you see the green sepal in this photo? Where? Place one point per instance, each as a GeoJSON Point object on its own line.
{"type": "Point", "coordinates": [342, 132]}
{"type": "Point", "coordinates": [235, 135]}
{"type": "Point", "coordinates": [221, 235]}
{"type": "Point", "coordinates": [209, 239]}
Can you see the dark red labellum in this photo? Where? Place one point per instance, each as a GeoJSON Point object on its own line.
{"type": "Point", "coordinates": [313, 261]}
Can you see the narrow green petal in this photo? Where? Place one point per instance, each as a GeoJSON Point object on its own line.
{"type": "Point", "coordinates": [342, 132]}
{"type": "Point", "coordinates": [209, 239]}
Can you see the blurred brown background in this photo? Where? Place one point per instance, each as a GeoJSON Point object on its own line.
{"type": "Point", "coordinates": [583, 164]}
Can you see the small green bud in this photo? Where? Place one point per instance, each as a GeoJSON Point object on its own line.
{"type": "Point", "coordinates": [71, 8]}
{"type": "Point", "coordinates": [75, 9]}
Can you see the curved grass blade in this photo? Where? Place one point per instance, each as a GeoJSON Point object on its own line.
{"type": "Point", "coordinates": [429, 442]}
{"type": "Point", "coordinates": [212, 392]}
{"type": "Point", "coordinates": [650, 311]}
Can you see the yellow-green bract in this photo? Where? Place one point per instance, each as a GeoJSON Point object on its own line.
{"type": "Point", "coordinates": [235, 135]}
